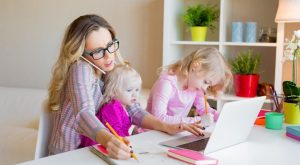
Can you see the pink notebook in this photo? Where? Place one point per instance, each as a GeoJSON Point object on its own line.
{"type": "Point", "coordinates": [192, 157]}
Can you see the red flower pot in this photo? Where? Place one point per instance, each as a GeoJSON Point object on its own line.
{"type": "Point", "coordinates": [246, 85]}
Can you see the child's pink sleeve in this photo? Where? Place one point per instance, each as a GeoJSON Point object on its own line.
{"type": "Point", "coordinates": [199, 103]}
{"type": "Point", "coordinates": [114, 116]}
{"type": "Point", "coordinates": [162, 93]}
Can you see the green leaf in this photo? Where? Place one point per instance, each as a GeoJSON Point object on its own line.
{"type": "Point", "coordinates": [201, 15]}
{"type": "Point", "coordinates": [290, 89]}
{"type": "Point", "coordinates": [245, 63]}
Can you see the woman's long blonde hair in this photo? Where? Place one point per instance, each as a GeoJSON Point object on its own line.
{"type": "Point", "coordinates": [72, 48]}
{"type": "Point", "coordinates": [115, 79]}
{"type": "Point", "coordinates": [210, 61]}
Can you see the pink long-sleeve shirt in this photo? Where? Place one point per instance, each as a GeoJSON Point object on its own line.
{"type": "Point", "coordinates": [170, 104]}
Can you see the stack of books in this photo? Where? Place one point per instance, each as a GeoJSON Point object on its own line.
{"type": "Point", "coordinates": [293, 132]}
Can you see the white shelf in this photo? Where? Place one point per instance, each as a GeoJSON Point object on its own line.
{"type": "Point", "coordinates": [195, 43]}
{"type": "Point", "coordinates": [177, 44]}
{"type": "Point", "coordinates": [259, 44]}
{"type": "Point", "coordinates": [231, 97]}
{"type": "Point", "coordinates": [262, 44]}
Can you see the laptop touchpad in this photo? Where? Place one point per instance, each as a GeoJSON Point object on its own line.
{"type": "Point", "coordinates": [198, 145]}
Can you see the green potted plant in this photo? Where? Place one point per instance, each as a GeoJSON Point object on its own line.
{"type": "Point", "coordinates": [291, 104]}
{"type": "Point", "coordinates": [244, 66]}
{"type": "Point", "coordinates": [199, 18]}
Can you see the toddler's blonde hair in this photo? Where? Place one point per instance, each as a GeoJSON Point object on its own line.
{"type": "Point", "coordinates": [115, 79]}
{"type": "Point", "coordinates": [211, 61]}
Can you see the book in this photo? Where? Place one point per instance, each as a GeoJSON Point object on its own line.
{"type": "Point", "coordinates": [192, 157]}
{"type": "Point", "coordinates": [293, 136]}
{"type": "Point", "coordinates": [294, 130]}
{"type": "Point", "coordinates": [261, 117]}
{"type": "Point", "coordinates": [101, 152]}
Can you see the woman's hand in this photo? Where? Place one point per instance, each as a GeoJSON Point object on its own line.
{"type": "Point", "coordinates": [116, 149]}
{"type": "Point", "coordinates": [194, 128]}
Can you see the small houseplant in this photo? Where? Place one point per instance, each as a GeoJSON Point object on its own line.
{"type": "Point", "coordinates": [291, 104]}
{"type": "Point", "coordinates": [244, 66]}
{"type": "Point", "coordinates": [200, 18]}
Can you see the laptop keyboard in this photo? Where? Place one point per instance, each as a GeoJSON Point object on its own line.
{"type": "Point", "coordinates": [198, 145]}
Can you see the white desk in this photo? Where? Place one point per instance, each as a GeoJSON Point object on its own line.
{"type": "Point", "coordinates": [263, 147]}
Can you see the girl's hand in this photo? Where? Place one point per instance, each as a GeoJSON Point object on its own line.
{"type": "Point", "coordinates": [194, 128]}
{"type": "Point", "coordinates": [117, 149]}
{"type": "Point", "coordinates": [207, 119]}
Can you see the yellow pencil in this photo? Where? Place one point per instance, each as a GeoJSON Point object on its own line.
{"type": "Point", "coordinates": [119, 138]}
{"type": "Point", "coordinates": [205, 102]}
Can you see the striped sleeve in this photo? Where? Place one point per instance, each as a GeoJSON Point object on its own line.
{"type": "Point", "coordinates": [81, 94]}
{"type": "Point", "coordinates": [136, 113]}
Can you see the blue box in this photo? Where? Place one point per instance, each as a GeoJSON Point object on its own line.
{"type": "Point", "coordinates": [237, 32]}
{"type": "Point", "coordinates": [250, 35]}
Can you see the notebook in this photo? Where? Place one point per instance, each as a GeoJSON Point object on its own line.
{"type": "Point", "coordinates": [192, 157]}
{"type": "Point", "coordinates": [147, 154]}
{"type": "Point", "coordinates": [233, 126]}
{"type": "Point", "coordinates": [293, 132]}
{"type": "Point", "coordinates": [101, 152]}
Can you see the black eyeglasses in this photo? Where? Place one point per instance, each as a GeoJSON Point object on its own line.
{"type": "Point", "coordinates": [100, 53]}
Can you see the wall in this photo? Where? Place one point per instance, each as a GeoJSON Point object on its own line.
{"type": "Point", "coordinates": [288, 65]}
{"type": "Point", "coordinates": [31, 32]}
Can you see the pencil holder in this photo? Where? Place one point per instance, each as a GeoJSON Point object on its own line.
{"type": "Point", "coordinates": [274, 120]}
{"type": "Point", "coordinates": [237, 32]}
{"type": "Point", "coordinates": [250, 32]}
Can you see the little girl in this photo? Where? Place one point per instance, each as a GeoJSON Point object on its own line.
{"type": "Point", "coordinates": [184, 83]}
{"type": "Point", "coordinates": [122, 88]}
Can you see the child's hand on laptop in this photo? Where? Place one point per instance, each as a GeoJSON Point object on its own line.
{"type": "Point", "coordinates": [194, 128]}
{"type": "Point", "coordinates": [207, 119]}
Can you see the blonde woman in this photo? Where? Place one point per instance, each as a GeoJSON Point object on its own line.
{"type": "Point", "coordinates": [183, 84]}
{"type": "Point", "coordinates": [88, 51]}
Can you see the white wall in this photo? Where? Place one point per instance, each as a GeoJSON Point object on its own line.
{"type": "Point", "coordinates": [31, 32]}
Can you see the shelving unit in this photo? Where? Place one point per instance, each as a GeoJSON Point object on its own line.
{"type": "Point", "coordinates": [177, 41]}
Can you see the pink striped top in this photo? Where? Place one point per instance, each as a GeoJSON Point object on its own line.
{"type": "Point", "coordinates": [80, 102]}
{"type": "Point", "coordinates": [170, 104]}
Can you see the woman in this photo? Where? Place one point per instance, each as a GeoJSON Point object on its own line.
{"type": "Point", "coordinates": [90, 49]}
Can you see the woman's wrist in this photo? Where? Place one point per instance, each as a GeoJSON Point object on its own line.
{"type": "Point", "coordinates": [103, 137]}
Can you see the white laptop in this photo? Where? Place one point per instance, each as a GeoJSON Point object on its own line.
{"type": "Point", "coordinates": [233, 126]}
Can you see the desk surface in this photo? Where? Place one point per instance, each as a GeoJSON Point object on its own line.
{"type": "Point", "coordinates": [263, 146]}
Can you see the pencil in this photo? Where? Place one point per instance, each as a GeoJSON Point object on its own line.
{"type": "Point", "coordinates": [205, 102]}
{"type": "Point", "coordinates": [119, 138]}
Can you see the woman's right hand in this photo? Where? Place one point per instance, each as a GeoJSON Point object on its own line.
{"type": "Point", "coordinates": [116, 149]}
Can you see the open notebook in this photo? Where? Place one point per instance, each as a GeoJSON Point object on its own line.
{"type": "Point", "coordinates": [148, 154]}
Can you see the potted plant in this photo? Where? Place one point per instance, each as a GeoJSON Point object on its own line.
{"type": "Point", "coordinates": [291, 104]}
{"type": "Point", "coordinates": [291, 91]}
{"type": "Point", "coordinates": [199, 18]}
{"type": "Point", "coordinates": [246, 77]}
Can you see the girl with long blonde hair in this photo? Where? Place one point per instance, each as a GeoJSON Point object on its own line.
{"type": "Point", "coordinates": [184, 83]}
